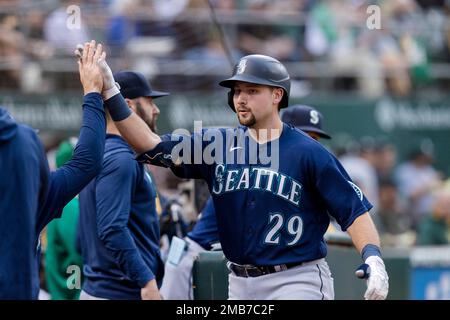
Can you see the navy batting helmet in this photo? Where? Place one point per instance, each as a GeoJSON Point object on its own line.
{"type": "Point", "coordinates": [259, 69]}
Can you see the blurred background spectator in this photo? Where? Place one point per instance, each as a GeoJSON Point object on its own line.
{"type": "Point", "coordinates": [433, 228]}
{"type": "Point", "coordinates": [417, 179]}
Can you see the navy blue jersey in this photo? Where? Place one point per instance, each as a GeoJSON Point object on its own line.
{"type": "Point", "coordinates": [270, 216]}
{"type": "Point", "coordinates": [31, 195]}
{"type": "Point", "coordinates": [119, 226]}
{"type": "Point", "coordinates": [205, 231]}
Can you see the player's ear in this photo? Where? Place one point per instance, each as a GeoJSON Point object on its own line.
{"type": "Point", "coordinates": [130, 103]}
{"type": "Point", "coordinates": [277, 95]}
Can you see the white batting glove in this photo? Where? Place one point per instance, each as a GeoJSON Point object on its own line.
{"type": "Point", "coordinates": [110, 86]}
{"type": "Point", "coordinates": [378, 281]}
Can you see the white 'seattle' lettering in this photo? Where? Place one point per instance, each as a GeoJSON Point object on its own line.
{"type": "Point", "coordinates": [257, 178]}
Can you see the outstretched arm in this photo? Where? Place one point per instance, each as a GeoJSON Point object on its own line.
{"type": "Point", "coordinates": [131, 127]}
{"type": "Point", "coordinates": [87, 158]}
{"type": "Point", "coordinates": [139, 136]}
{"type": "Point", "coordinates": [66, 182]}
{"type": "Point", "coordinates": [366, 240]}
{"type": "Point", "coordinates": [346, 202]}
{"type": "Point", "coordinates": [363, 232]}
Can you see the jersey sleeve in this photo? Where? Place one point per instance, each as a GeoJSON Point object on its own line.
{"type": "Point", "coordinates": [66, 182]}
{"type": "Point", "coordinates": [183, 154]}
{"type": "Point", "coordinates": [343, 198]}
{"type": "Point", "coordinates": [113, 212]}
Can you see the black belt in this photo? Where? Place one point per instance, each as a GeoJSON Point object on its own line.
{"type": "Point", "coordinates": [256, 271]}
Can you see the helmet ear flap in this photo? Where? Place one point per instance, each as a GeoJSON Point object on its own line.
{"type": "Point", "coordinates": [284, 101]}
{"type": "Point", "coordinates": [230, 100]}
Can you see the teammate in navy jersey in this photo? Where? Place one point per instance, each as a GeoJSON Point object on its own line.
{"type": "Point", "coordinates": [272, 187]}
{"type": "Point", "coordinates": [177, 282]}
{"type": "Point", "coordinates": [30, 195]}
{"type": "Point", "coordinates": [119, 225]}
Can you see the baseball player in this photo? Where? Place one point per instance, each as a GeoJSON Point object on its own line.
{"type": "Point", "coordinates": [177, 282]}
{"type": "Point", "coordinates": [31, 195]}
{"type": "Point", "coordinates": [119, 226]}
{"type": "Point", "coordinates": [271, 215]}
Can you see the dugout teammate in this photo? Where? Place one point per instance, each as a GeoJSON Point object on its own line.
{"type": "Point", "coordinates": [177, 282]}
{"type": "Point", "coordinates": [271, 216]}
{"type": "Point", "coordinates": [119, 225]}
{"type": "Point", "coordinates": [307, 119]}
{"type": "Point", "coordinates": [31, 195]}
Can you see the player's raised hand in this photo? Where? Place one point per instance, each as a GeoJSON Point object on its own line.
{"type": "Point", "coordinates": [377, 278]}
{"type": "Point", "coordinates": [110, 87]}
{"type": "Point", "coordinates": [89, 68]}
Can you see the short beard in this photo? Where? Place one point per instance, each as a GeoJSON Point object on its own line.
{"type": "Point", "coordinates": [250, 122]}
{"type": "Point", "coordinates": [150, 122]}
{"type": "Point", "coordinates": [152, 126]}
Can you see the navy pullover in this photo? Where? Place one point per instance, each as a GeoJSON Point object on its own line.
{"type": "Point", "coordinates": [119, 227]}
{"type": "Point", "coordinates": [31, 196]}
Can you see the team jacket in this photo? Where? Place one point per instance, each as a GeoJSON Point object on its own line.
{"type": "Point", "coordinates": [268, 212]}
{"type": "Point", "coordinates": [119, 227]}
{"type": "Point", "coordinates": [31, 195]}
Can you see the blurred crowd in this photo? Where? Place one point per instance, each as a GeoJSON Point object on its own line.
{"type": "Point", "coordinates": [332, 43]}
{"type": "Point", "coordinates": [411, 198]}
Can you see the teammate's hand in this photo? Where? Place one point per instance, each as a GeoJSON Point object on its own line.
{"type": "Point", "coordinates": [110, 87]}
{"type": "Point", "coordinates": [378, 281]}
{"type": "Point", "coordinates": [89, 69]}
{"type": "Point", "coordinates": [150, 291]}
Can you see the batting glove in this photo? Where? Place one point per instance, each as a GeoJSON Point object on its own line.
{"type": "Point", "coordinates": [378, 281]}
{"type": "Point", "coordinates": [110, 86]}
